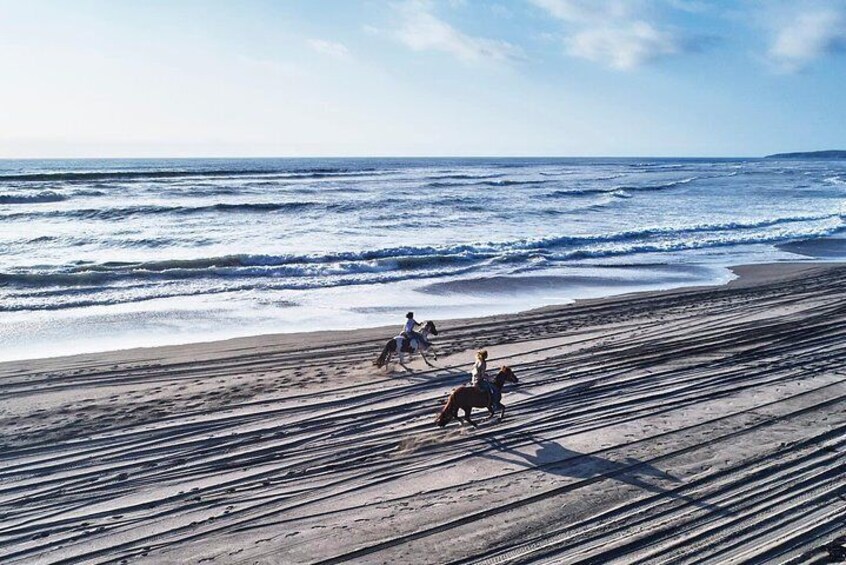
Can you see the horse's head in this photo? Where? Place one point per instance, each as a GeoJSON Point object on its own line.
{"type": "Point", "coordinates": [506, 375]}
{"type": "Point", "coordinates": [430, 328]}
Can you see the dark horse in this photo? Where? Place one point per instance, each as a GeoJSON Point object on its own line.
{"type": "Point", "coordinates": [402, 344]}
{"type": "Point", "coordinates": [468, 397]}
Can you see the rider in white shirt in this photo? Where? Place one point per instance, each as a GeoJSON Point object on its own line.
{"type": "Point", "coordinates": [408, 330]}
{"type": "Point", "coordinates": [410, 323]}
{"type": "Point", "coordinates": [479, 378]}
{"type": "Point", "coordinates": [479, 374]}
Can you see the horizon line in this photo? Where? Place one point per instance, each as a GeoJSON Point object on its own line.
{"type": "Point", "coordinates": [230, 157]}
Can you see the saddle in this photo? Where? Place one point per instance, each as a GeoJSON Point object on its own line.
{"type": "Point", "coordinates": [405, 344]}
{"type": "Point", "coordinates": [494, 394]}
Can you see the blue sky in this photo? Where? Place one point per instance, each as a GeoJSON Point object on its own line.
{"type": "Point", "coordinates": [418, 77]}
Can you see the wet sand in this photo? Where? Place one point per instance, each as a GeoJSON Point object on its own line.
{"type": "Point", "coordinates": [693, 426]}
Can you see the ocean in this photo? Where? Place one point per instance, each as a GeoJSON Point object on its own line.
{"type": "Point", "coordinates": [107, 254]}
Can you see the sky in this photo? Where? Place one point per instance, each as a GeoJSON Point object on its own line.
{"type": "Point", "coordinates": [184, 78]}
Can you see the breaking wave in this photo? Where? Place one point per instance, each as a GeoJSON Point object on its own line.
{"type": "Point", "coordinates": [409, 261]}
{"type": "Point", "coordinates": [45, 196]}
{"type": "Point", "coordinates": [119, 213]}
{"type": "Point", "coordinates": [317, 172]}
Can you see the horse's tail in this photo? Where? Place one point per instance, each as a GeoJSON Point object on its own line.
{"type": "Point", "coordinates": [449, 411]}
{"type": "Point", "coordinates": [383, 357]}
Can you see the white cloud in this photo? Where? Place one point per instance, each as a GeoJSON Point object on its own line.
{"type": "Point", "coordinates": [585, 11]}
{"type": "Point", "coordinates": [625, 47]}
{"type": "Point", "coordinates": [330, 48]}
{"type": "Point", "coordinates": [422, 30]}
{"type": "Point", "coordinates": [615, 33]}
{"type": "Point", "coordinates": [806, 37]}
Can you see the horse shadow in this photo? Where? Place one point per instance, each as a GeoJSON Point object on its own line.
{"type": "Point", "coordinates": [447, 375]}
{"type": "Point", "coordinates": [552, 457]}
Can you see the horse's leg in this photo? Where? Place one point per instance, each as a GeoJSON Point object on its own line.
{"type": "Point", "coordinates": [467, 416]}
{"type": "Point", "coordinates": [384, 356]}
{"type": "Point", "coordinates": [491, 406]}
{"type": "Point", "coordinates": [457, 417]}
{"type": "Point", "coordinates": [423, 355]}
{"type": "Point", "coordinates": [431, 347]}
{"type": "Point", "coordinates": [402, 362]}
{"type": "Point", "coordinates": [502, 411]}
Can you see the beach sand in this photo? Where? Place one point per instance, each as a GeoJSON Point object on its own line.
{"type": "Point", "coordinates": [693, 426]}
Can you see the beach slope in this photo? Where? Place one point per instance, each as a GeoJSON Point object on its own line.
{"type": "Point", "coordinates": [692, 426]}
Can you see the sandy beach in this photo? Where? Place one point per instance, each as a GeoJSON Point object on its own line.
{"type": "Point", "coordinates": [703, 425]}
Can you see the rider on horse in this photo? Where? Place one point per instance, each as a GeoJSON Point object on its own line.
{"type": "Point", "coordinates": [479, 378]}
{"type": "Point", "coordinates": [408, 330]}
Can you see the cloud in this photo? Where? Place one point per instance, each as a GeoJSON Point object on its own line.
{"type": "Point", "coordinates": [585, 11]}
{"type": "Point", "coordinates": [615, 33]}
{"type": "Point", "coordinates": [330, 48]}
{"type": "Point", "coordinates": [625, 47]}
{"type": "Point", "coordinates": [802, 39]}
{"type": "Point", "coordinates": [422, 30]}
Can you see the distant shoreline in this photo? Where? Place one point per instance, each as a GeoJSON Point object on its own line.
{"type": "Point", "coordinates": [827, 154]}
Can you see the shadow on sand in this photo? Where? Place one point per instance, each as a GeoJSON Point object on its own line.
{"type": "Point", "coordinates": [552, 457]}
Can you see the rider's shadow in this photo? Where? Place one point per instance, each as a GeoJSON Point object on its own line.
{"type": "Point", "coordinates": [552, 457]}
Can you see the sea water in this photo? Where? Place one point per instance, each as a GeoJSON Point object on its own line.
{"type": "Point", "coordinates": [105, 254]}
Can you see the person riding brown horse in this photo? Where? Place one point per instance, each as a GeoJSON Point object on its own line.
{"type": "Point", "coordinates": [468, 397]}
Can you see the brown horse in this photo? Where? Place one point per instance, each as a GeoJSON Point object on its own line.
{"type": "Point", "coordinates": [468, 397]}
